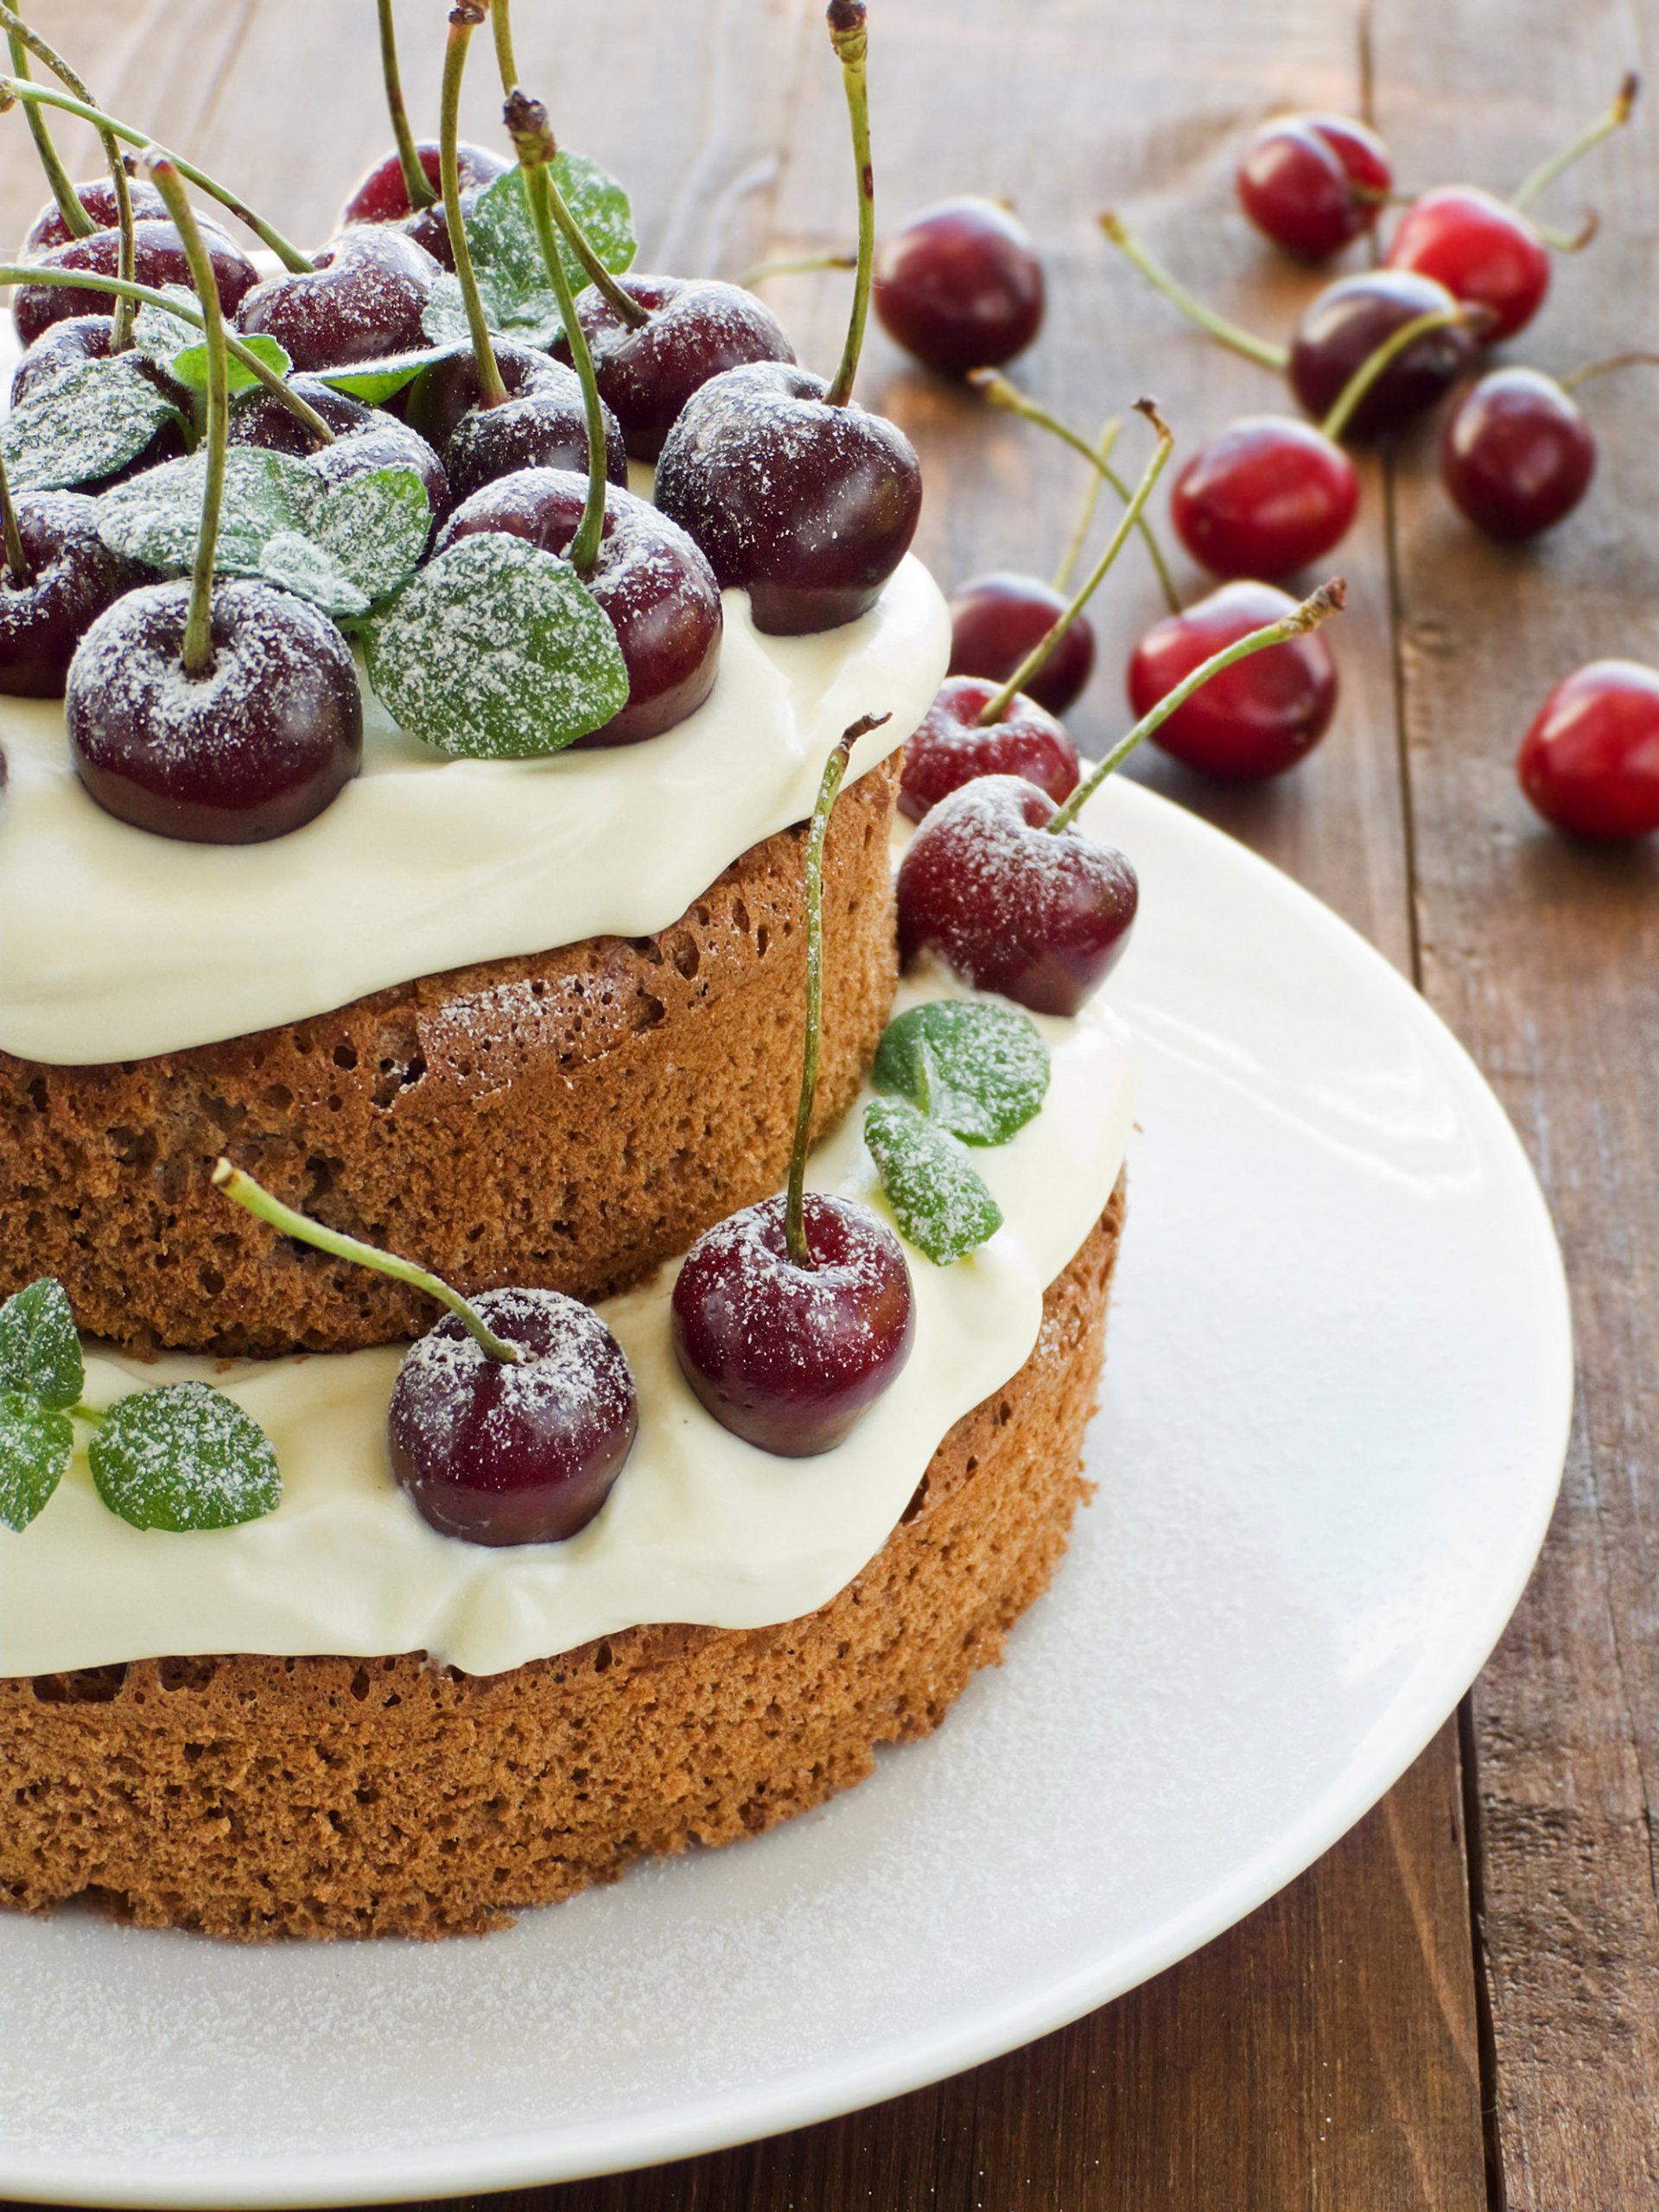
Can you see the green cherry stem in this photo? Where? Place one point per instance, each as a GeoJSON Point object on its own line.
{"type": "Point", "coordinates": [1328, 600]}
{"type": "Point", "coordinates": [505, 61]}
{"type": "Point", "coordinates": [76, 220]}
{"type": "Point", "coordinates": [1376, 364]}
{"type": "Point", "coordinates": [464, 19]}
{"type": "Point", "coordinates": [1262, 350]}
{"type": "Point", "coordinates": [850, 37]}
{"type": "Point", "coordinates": [796, 265]}
{"type": "Point", "coordinates": [1101, 452]}
{"type": "Point", "coordinates": [21, 89]}
{"type": "Point", "coordinates": [997, 705]}
{"type": "Point", "coordinates": [1559, 241]}
{"type": "Point", "coordinates": [417, 186]}
{"type": "Point", "coordinates": [198, 651]}
{"type": "Point", "coordinates": [1574, 377]}
{"type": "Point", "coordinates": [533, 143]}
{"type": "Point", "coordinates": [1610, 120]}
{"type": "Point", "coordinates": [254, 1198]}
{"type": "Point", "coordinates": [576, 238]}
{"type": "Point", "coordinates": [834, 771]}
{"type": "Point", "coordinates": [19, 572]}
{"type": "Point", "coordinates": [1008, 396]}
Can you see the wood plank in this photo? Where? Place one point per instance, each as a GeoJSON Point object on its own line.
{"type": "Point", "coordinates": [1545, 957]}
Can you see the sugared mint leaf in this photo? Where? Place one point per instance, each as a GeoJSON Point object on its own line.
{"type": "Point", "coordinates": [86, 423]}
{"type": "Point", "coordinates": [358, 540]}
{"type": "Point", "coordinates": [40, 1351]}
{"type": "Point", "coordinates": [938, 1196]}
{"type": "Point", "coordinates": [518, 301]}
{"type": "Point", "coordinates": [979, 1071]}
{"type": "Point", "coordinates": [183, 1457]}
{"type": "Point", "coordinates": [189, 367]}
{"type": "Point", "coordinates": [375, 381]}
{"type": "Point", "coordinates": [532, 318]}
{"type": "Point", "coordinates": [159, 335]}
{"type": "Point", "coordinates": [36, 1444]}
{"type": "Point", "coordinates": [497, 650]}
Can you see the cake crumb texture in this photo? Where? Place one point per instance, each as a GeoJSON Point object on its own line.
{"type": "Point", "coordinates": [565, 1121]}
{"type": "Point", "coordinates": [252, 1797]}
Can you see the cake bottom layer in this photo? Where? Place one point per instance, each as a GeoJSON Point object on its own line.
{"type": "Point", "coordinates": [254, 1797]}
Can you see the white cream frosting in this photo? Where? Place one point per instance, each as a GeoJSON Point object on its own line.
{"type": "Point", "coordinates": [116, 945]}
{"type": "Point", "coordinates": [700, 1526]}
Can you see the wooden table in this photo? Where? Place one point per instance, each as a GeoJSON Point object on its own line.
{"type": "Point", "coordinates": [1459, 2006]}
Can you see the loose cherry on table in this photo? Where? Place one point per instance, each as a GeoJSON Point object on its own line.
{"type": "Point", "coordinates": [364, 298]}
{"type": "Point", "coordinates": [1590, 762]}
{"type": "Point", "coordinates": [58, 578]}
{"type": "Point", "coordinates": [1346, 323]}
{"type": "Point", "coordinates": [1263, 498]}
{"type": "Point", "coordinates": [996, 619]}
{"type": "Point", "coordinates": [1481, 249]}
{"type": "Point", "coordinates": [159, 259]}
{"type": "Point", "coordinates": [96, 197]}
{"type": "Point", "coordinates": [1313, 183]}
{"type": "Point", "coordinates": [792, 1317]}
{"type": "Point", "coordinates": [1517, 454]}
{"type": "Point", "coordinates": [1249, 721]}
{"type": "Point", "coordinates": [795, 494]}
{"type": "Point", "coordinates": [960, 286]}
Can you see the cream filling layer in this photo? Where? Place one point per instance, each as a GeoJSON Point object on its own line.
{"type": "Point", "coordinates": [700, 1528]}
{"type": "Point", "coordinates": [116, 945]}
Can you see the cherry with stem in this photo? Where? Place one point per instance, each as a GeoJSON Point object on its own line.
{"type": "Point", "coordinates": [417, 185]}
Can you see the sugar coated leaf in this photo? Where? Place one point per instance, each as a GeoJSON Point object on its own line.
{"type": "Point", "coordinates": [375, 381]}
{"type": "Point", "coordinates": [40, 1351]}
{"type": "Point", "coordinates": [84, 425]}
{"type": "Point", "coordinates": [298, 565]}
{"type": "Point", "coordinates": [160, 335]}
{"type": "Point", "coordinates": [507, 250]}
{"type": "Point", "coordinates": [189, 365]}
{"type": "Point", "coordinates": [184, 1457]}
{"type": "Point", "coordinates": [980, 1070]}
{"type": "Point", "coordinates": [497, 650]}
{"type": "Point", "coordinates": [937, 1196]}
{"type": "Point", "coordinates": [36, 1444]}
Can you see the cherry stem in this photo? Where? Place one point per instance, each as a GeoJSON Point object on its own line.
{"type": "Point", "coordinates": [576, 238]}
{"type": "Point", "coordinates": [534, 143]}
{"type": "Point", "coordinates": [851, 40]}
{"type": "Point", "coordinates": [87, 280]}
{"type": "Point", "coordinates": [1008, 396]}
{"type": "Point", "coordinates": [254, 1198]}
{"type": "Point", "coordinates": [76, 220]}
{"type": "Point", "coordinates": [1559, 241]}
{"type": "Point", "coordinates": [417, 186]}
{"type": "Point", "coordinates": [1576, 377]}
{"type": "Point", "coordinates": [1376, 364]}
{"type": "Point", "coordinates": [1328, 600]}
{"type": "Point", "coordinates": [796, 264]}
{"type": "Point", "coordinates": [20, 88]}
{"type": "Point", "coordinates": [198, 653]}
{"type": "Point", "coordinates": [1610, 120]}
{"type": "Point", "coordinates": [501, 26]}
{"type": "Point", "coordinates": [997, 705]}
{"type": "Point", "coordinates": [19, 572]}
{"type": "Point", "coordinates": [1101, 452]}
{"type": "Point", "coordinates": [464, 20]}
{"type": "Point", "coordinates": [1262, 350]}
{"type": "Point", "coordinates": [834, 771]}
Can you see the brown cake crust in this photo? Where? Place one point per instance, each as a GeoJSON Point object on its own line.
{"type": "Point", "coordinates": [567, 1120]}
{"type": "Point", "coordinates": [252, 1798]}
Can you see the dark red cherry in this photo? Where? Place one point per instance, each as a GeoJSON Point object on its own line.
{"type": "Point", "coordinates": [1040, 916]}
{"type": "Point", "coordinates": [1263, 498]}
{"type": "Point", "coordinates": [951, 745]}
{"type": "Point", "coordinates": [429, 229]}
{"type": "Point", "coordinates": [1589, 763]}
{"type": "Point", "coordinates": [256, 748]}
{"type": "Point", "coordinates": [787, 1357]}
{"type": "Point", "coordinates": [1346, 323]}
{"type": "Point", "coordinates": [808, 507]}
{"type": "Point", "coordinates": [996, 619]}
{"type": "Point", "coordinates": [75, 576]}
{"type": "Point", "coordinates": [524, 1453]}
{"type": "Point", "coordinates": [960, 286]}
{"type": "Point", "coordinates": [159, 258]}
{"type": "Point", "coordinates": [445, 389]}
{"type": "Point", "coordinates": [97, 196]}
{"type": "Point", "coordinates": [383, 197]}
{"type": "Point", "coordinates": [365, 298]}
{"type": "Point", "coordinates": [1518, 453]}
{"type": "Point", "coordinates": [1297, 182]}
{"type": "Point", "coordinates": [651, 581]}
{"type": "Point", "coordinates": [1254, 720]}
{"type": "Point", "coordinates": [1480, 248]}
{"type": "Point", "coordinates": [365, 438]}
{"type": "Point", "coordinates": [543, 426]}
{"type": "Point", "coordinates": [648, 370]}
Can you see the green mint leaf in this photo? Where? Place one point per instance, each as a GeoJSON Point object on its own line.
{"type": "Point", "coordinates": [83, 425]}
{"type": "Point", "coordinates": [497, 650]}
{"type": "Point", "coordinates": [343, 546]}
{"type": "Point", "coordinates": [979, 1071]}
{"type": "Point", "coordinates": [40, 1351]}
{"type": "Point", "coordinates": [938, 1196]}
{"type": "Point", "coordinates": [183, 1457]}
{"type": "Point", "coordinates": [157, 335]}
{"type": "Point", "coordinates": [189, 366]}
{"type": "Point", "coordinates": [512, 281]}
{"type": "Point", "coordinates": [36, 1444]}
{"type": "Point", "coordinates": [532, 318]}
{"type": "Point", "coordinates": [375, 381]}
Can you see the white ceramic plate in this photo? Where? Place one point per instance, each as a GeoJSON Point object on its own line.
{"type": "Point", "coordinates": [1336, 1401]}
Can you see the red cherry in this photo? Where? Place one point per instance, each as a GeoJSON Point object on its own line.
{"type": "Point", "coordinates": [960, 286]}
{"type": "Point", "coordinates": [97, 196]}
{"type": "Point", "coordinates": [1480, 248]}
{"type": "Point", "coordinates": [1589, 763]}
{"type": "Point", "coordinates": [159, 259]}
{"type": "Point", "coordinates": [364, 298]}
{"type": "Point", "coordinates": [1254, 720]}
{"type": "Point", "coordinates": [696, 328]}
{"type": "Point", "coordinates": [1266, 496]}
{"type": "Point", "coordinates": [382, 196]}
{"type": "Point", "coordinates": [1518, 453]}
{"type": "Point", "coordinates": [1345, 324]}
{"type": "Point", "coordinates": [1042, 916]}
{"type": "Point", "coordinates": [996, 619]}
{"type": "Point", "coordinates": [1297, 178]}
{"type": "Point", "coordinates": [72, 577]}
{"type": "Point", "coordinates": [950, 747]}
